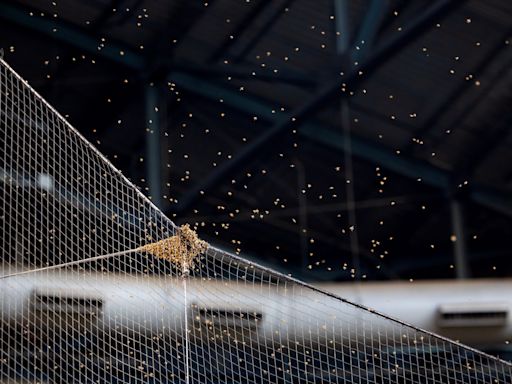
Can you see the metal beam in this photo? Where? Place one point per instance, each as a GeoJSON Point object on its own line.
{"type": "Point", "coordinates": [488, 87]}
{"type": "Point", "coordinates": [159, 50]}
{"type": "Point", "coordinates": [271, 18]}
{"type": "Point", "coordinates": [209, 90]}
{"type": "Point", "coordinates": [445, 104]}
{"type": "Point", "coordinates": [386, 157]}
{"type": "Point", "coordinates": [302, 201]}
{"type": "Point", "coordinates": [239, 30]}
{"type": "Point", "coordinates": [247, 73]}
{"type": "Point", "coordinates": [321, 134]}
{"type": "Point", "coordinates": [121, 54]}
{"type": "Point", "coordinates": [368, 111]}
{"type": "Point", "coordinates": [73, 36]}
{"type": "Point", "coordinates": [342, 31]}
{"type": "Point", "coordinates": [112, 51]}
{"type": "Point", "coordinates": [495, 200]}
{"type": "Point", "coordinates": [442, 260]}
{"type": "Point", "coordinates": [363, 42]}
{"type": "Point", "coordinates": [490, 142]}
{"type": "Point", "coordinates": [322, 208]}
{"type": "Point", "coordinates": [459, 240]}
{"type": "Point", "coordinates": [66, 63]}
{"type": "Point", "coordinates": [153, 150]}
{"type": "Point", "coordinates": [399, 7]}
{"type": "Point", "coordinates": [370, 26]}
{"type": "Point", "coordinates": [332, 88]}
{"type": "Point", "coordinates": [361, 148]}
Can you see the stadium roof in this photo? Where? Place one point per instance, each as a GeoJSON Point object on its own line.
{"type": "Point", "coordinates": [251, 136]}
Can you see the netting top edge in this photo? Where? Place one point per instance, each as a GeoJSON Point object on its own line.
{"type": "Point", "coordinates": [229, 254]}
{"type": "Point", "coordinates": [89, 144]}
{"type": "Point", "coordinates": [358, 306]}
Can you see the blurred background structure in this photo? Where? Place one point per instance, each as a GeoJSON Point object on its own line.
{"type": "Point", "coordinates": [332, 139]}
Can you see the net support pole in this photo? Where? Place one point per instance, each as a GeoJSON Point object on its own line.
{"type": "Point", "coordinates": [153, 145]}
{"type": "Point", "coordinates": [184, 277]}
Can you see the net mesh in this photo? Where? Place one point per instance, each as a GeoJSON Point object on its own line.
{"type": "Point", "coordinates": [136, 300]}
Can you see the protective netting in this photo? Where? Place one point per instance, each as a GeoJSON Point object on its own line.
{"type": "Point", "coordinates": [136, 303]}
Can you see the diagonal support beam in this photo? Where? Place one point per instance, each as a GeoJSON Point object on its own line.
{"type": "Point", "coordinates": [321, 134]}
{"type": "Point", "coordinates": [488, 145]}
{"type": "Point", "coordinates": [270, 19]}
{"type": "Point", "coordinates": [239, 30]}
{"type": "Point", "coordinates": [361, 148]}
{"type": "Point", "coordinates": [67, 33]}
{"type": "Point", "coordinates": [247, 73]}
{"type": "Point", "coordinates": [399, 6]}
{"type": "Point", "coordinates": [77, 38]}
{"type": "Point", "coordinates": [370, 26]}
{"type": "Point", "coordinates": [440, 9]}
{"type": "Point", "coordinates": [445, 104]}
{"type": "Point", "coordinates": [495, 200]}
{"type": "Point", "coordinates": [118, 53]}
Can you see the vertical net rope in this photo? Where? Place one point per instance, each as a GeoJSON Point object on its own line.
{"type": "Point", "coordinates": [99, 286]}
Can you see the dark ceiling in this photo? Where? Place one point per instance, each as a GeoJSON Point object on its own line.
{"type": "Point", "coordinates": [331, 139]}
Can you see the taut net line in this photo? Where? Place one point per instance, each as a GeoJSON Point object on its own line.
{"type": "Point", "coordinates": [149, 314]}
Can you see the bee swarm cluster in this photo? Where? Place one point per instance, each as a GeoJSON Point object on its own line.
{"type": "Point", "coordinates": [180, 249]}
